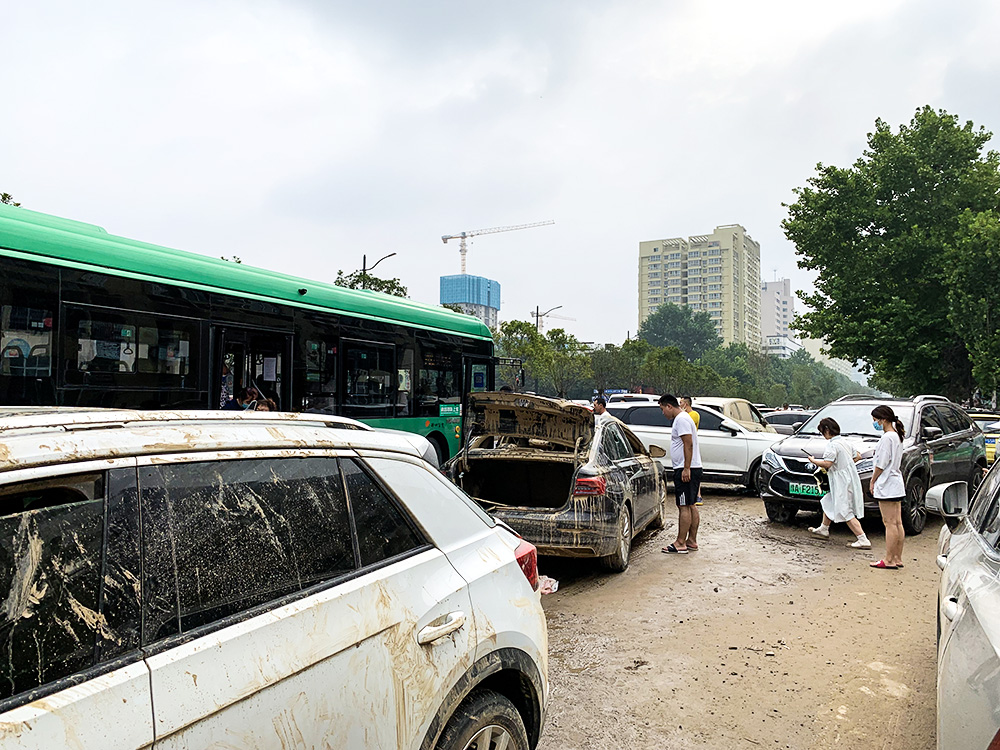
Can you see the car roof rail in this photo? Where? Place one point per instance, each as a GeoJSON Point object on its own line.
{"type": "Point", "coordinates": [28, 419]}
{"type": "Point", "coordinates": [929, 397]}
{"type": "Point", "coordinates": [856, 397]}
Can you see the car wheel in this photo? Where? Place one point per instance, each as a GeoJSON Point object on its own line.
{"type": "Point", "coordinates": [914, 510]}
{"type": "Point", "coordinates": [975, 480]}
{"type": "Point", "coordinates": [485, 720]}
{"type": "Point", "coordinates": [660, 519]}
{"type": "Point", "coordinates": [780, 512]}
{"type": "Point", "coordinates": [753, 479]}
{"type": "Point", "coordinates": [618, 561]}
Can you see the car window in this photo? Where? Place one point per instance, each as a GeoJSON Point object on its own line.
{"type": "Point", "coordinates": [984, 506]}
{"type": "Point", "coordinates": [955, 419]}
{"type": "Point", "coordinates": [929, 418]}
{"type": "Point", "coordinates": [651, 416]}
{"type": "Point", "coordinates": [613, 446]}
{"type": "Point", "coordinates": [710, 420]}
{"type": "Point", "coordinates": [383, 530]}
{"type": "Point", "coordinates": [51, 545]}
{"type": "Point", "coordinates": [754, 414]}
{"type": "Point", "coordinates": [220, 537]}
{"type": "Point", "coordinates": [985, 422]}
{"type": "Point", "coordinates": [635, 444]}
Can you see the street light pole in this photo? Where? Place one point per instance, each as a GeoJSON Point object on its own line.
{"type": "Point", "coordinates": [539, 316]}
{"type": "Point", "coordinates": [365, 269]}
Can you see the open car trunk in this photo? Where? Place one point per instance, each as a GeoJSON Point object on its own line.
{"type": "Point", "coordinates": [524, 483]}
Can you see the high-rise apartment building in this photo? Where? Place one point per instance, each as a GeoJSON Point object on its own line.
{"type": "Point", "coordinates": [717, 273]}
{"type": "Point", "coordinates": [777, 308]}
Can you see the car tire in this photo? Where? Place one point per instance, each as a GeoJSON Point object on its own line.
{"type": "Point", "coordinates": [753, 479]}
{"type": "Point", "coordinates": [618, 561]}
{"type": "Point", "coordinates": [660, 519]}
{"type": "Point", "coordinates": [914, 510]}
{"type": "Point", "coordinates": [783, 513]}
{"type": "Point", "coordinates": [482, 721]}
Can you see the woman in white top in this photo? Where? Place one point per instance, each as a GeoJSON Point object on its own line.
{"type": "Point", "coordinates": [887, 485]}
{"type": "Point", "coordinates": [845, 501]}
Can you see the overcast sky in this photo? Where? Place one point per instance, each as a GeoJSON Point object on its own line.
{"type": "Point", "coordinates": [301, 135]}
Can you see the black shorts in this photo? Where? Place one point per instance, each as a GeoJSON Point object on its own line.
{"type": "Point", "coordinates": [890, 499]}
{"type": "Point", "coordinates": [686, 493]}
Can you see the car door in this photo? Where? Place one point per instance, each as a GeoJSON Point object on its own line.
{"type": "Point", "coordinates": [623, 469]}
{"type": "Point", "coordinates": [722, 452]}
{"type": "Point", "coordinates": [969, 619]}
{"type": "Point", "coordinates": [72, 673]}
{"type": "Point", "coordinates": [644, 481]}
{"type": "Point", "coordinates": [287, 602]}
{"type": "Point", "coordinates": [963, 441]}
{"type": "Point", "coordinates": [935, 451]}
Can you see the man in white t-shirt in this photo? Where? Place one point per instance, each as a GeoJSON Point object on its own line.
{"type": "Point", "coordinates": [600, 410]}
{"type": "Point", "coordinates": [685, 458]}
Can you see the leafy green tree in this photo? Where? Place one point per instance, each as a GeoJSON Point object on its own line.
{"type": "Point", "coordinates": [691, 332]}
{"type": "Point", "coordinates": [974, 269]}
{"type": "Point", "coordinates": [8, 199]}
{"type": "Point", "coordinates": [876, 234]}
{"type": "Point", "coordinates": [519, 339]}
{"type": "Point", "coordinates": [359, 280]}
{"type": "Point", "coordinates": [568, 362]}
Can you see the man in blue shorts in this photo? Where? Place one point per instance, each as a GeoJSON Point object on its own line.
{"type": "Point", "coordinates": [685, 460]}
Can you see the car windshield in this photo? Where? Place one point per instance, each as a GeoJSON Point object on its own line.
{"type": "Point", "coordinates": [854, 419]}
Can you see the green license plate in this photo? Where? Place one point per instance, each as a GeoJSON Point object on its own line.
{"type": "Point", "coordinates": [811, 490]}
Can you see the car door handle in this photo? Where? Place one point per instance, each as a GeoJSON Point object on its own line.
{"type": "Point", "coordinates": [951, 608]}
{"type": "Point", "coordinates": [942, 561]}
{"type": "Point", "coordinates": [430, 633]}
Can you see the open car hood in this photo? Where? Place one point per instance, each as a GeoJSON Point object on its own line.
{"type": "Point", "coordinates": [518, 415]}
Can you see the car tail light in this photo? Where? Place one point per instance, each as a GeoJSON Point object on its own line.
{"type": "Point", "coordinates": [527, 558]}
{"type": "Point", "coordinates": [590, 486]}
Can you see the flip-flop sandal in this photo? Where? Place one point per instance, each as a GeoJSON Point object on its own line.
{"type": "Point", "coordinates": [674, 551]}
{"type": "Point", "coordinates": [692, 548]}
{"type": "Point", "coordinates": [882, 566]}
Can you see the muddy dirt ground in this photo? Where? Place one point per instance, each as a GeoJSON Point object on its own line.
{"type": "Point", "coordinates": [765, 638]}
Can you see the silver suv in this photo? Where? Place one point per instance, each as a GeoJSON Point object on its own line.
{"type": "Point", "coordinates": [254, 580]}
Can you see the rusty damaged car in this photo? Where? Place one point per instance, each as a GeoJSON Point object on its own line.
{"type": "Point", "coordinates": [569, 486]}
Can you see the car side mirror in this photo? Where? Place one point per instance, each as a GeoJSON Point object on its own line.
{"type": "Point", "coordinates": [656, 451]}
{"type": "Point", "coordinates": [952, 498]}
{"type": "Point", "coordinates": [797, 426]}
{"type": "Point", "coordinates": [932, 433]}
{"type": "Point", "coordinates": [727, 427]}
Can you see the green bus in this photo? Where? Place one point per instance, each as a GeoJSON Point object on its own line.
{"type": "Point", "coordinates": [91, 319]}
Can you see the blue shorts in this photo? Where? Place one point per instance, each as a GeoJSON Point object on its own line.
{"type": "Point", "coordinates": [686, 493]}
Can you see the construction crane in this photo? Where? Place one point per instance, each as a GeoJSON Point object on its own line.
{"type": "Point", "coordinates": [461, 237]}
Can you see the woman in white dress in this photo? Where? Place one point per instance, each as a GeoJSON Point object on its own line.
{"type": "Point", "coordinates": [887, 484]}
{"type": "Point", "coordinates": [845, 502]}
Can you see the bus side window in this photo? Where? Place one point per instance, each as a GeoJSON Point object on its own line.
{"type": "Point", "coordinates": [25, 341]}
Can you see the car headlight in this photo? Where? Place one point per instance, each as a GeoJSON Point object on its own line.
{"type": "Point", "coordinates": [865, 464]}
{"type": "Point", "coordinates": [771, 459]}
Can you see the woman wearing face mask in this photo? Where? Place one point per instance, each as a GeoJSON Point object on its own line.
{"type": "Point", "coordinates": [887, 485]}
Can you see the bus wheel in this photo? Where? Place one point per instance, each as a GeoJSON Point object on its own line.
{"type": "Point", "coordinates": [440, 447]}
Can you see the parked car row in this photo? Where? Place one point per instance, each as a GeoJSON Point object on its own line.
{"type": "Point", "coordinates": [259, 577]}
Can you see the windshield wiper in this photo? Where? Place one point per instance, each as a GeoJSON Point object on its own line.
{"type": "Point", "coordinates": [860, 434]}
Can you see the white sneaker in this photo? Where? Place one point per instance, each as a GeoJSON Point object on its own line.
{"type": "Point", "coordinates": [861, 544]}
{"type": "Point", "coordinates": [823, 531]}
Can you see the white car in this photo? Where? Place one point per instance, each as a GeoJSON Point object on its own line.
{"type": "Point", "coordinates": [738, 410]}
{"type": "Point", "coordinates": [968, 681]}
{"type": "Point", "coordinates": [729, 452]}
{"type": "Point", "coordinates": [254, 580]}
{"type": "Point", "coordinates": [616, 398]}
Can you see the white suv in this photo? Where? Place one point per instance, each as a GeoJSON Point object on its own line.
{"type": "Point", "coordinates": [254, 580]}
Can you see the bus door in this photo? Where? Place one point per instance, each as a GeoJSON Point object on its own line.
{"type": "Point", "coordinates": [252, 358]}
{"type": "Point", "coordinates": [478, 377]}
